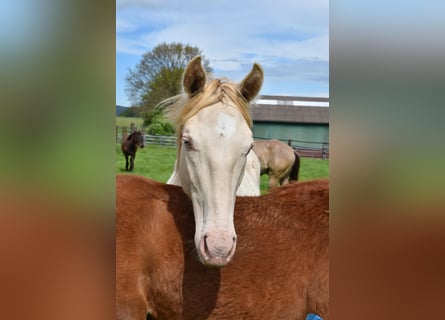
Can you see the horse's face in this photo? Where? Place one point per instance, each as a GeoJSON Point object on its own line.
{"type": "Point", "coordinates": [215, 144]}
{"type": "Point", "coordinates": [138, 139]}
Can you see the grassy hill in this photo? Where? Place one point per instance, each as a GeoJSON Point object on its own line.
{"type": "Point", "coordinates": [119, 110]}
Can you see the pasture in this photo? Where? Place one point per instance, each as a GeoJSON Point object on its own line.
{"type": "Point", "coordinates": [157, 163]}
{"type": "Point", "coordinates": [127, 121]}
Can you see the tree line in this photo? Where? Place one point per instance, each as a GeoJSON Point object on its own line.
{"type": "Point", "coordinates": [155, 78]}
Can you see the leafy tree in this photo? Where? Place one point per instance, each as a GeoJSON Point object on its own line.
{"type": "Point", "coordinates": [158, 75]}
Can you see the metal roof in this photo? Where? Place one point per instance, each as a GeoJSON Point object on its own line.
{"type": "Point", "coordinates": [285, 110]}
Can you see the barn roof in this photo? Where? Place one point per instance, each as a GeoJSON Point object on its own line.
{"type": "Point", "coordinates": [291, 110]}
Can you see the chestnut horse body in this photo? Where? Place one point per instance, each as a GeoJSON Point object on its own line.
{"type": "Point", "coordinates": [280, 270]}
{"type": "Point", "coordinates": [280, 161]}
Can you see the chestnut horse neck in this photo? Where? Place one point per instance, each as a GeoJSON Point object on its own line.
{"type": "Point", "coordinates": [282, 253]}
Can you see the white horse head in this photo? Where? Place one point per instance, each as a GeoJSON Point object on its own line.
{"type": "Point", "coordinates": [213, 124]}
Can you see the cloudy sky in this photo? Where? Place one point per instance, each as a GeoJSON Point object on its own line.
{"type": "Point", "coordinates": [290, 39]}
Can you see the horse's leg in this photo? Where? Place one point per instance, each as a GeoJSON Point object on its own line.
{"type": "Point", "coordinates": [284, 180]}
{"type": "Point", "coordinates": [132, 161]}
{"type": "Point", "coordinates": [273, 181]}
{"type": "Point", "coordinates": [126, 162]}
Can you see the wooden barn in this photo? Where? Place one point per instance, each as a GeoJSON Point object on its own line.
{"type": "Point", "coordinates": [302, 122]}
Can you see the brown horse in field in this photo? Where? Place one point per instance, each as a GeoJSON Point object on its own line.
{"type": "Point", "coordinates": [129, 146]}
{"type": "Point", "coordinates": [278, 160]}
{"type": "Point", "coordinates": [280, 269]}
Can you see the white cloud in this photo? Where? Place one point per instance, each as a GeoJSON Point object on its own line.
{"type": "Point", "coordinates": [226, 65]}
{"type": "Point", "coordinates": [229, 33]}
{"type": "Point", "coordinates": [290, 39]}
{"type": "Point", "coordinates": [123, 26]}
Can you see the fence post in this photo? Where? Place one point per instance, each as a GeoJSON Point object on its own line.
{"type": "Point", "coordinates": [323, 151]}
{"type": "Point", "coordinates": [117, 129]}
{"type": "Point", "coordinates": [132, 128]}
{"type": "Point", "coordinates": [143, 134]}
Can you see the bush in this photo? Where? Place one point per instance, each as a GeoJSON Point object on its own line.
{"type": "Point", "coordinates": [157, 124]}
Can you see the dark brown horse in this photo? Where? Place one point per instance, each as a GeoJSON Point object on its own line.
{"type": "Point", "coordinates": [280, 161]}
{"type": "Point", "coordinates": [280, 269]}
{"type": "Point", "coordinates": [130, 145]}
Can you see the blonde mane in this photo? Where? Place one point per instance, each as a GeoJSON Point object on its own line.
{"type": "Point", "coordinates": [182, 107]}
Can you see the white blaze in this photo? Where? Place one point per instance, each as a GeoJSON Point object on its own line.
{"type": "Point", "coordinates": [225, 124]}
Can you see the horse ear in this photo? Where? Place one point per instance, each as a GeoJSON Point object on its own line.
{"type": "Point", "coordinates": [251, 84]}
{"type": "Point", "coordinates": [194, 78]}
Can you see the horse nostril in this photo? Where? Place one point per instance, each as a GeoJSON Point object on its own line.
{"type": "Point", "coordinates": [206, 248]}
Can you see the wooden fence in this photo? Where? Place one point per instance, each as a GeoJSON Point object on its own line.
{"type": "Point", "coordinates": [121, 131]}
{"type": "Point", "coordinates": [304, 148]}
{"type": "Point", "coordinates": [163, 141]}
{"type": "Point", "coordinates": [321, 152]}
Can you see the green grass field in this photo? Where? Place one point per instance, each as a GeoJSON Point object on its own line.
{"type": "Point", "coordinates": [157, 163]}
{"type": "Point", "coordinates": [127, 121]}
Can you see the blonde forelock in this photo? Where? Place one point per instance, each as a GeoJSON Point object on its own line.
{"type": "Point", "coordinates": [182, 107]}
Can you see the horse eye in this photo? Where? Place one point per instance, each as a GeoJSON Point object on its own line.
{"type": "Point", "coordinates": [187, 143]}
